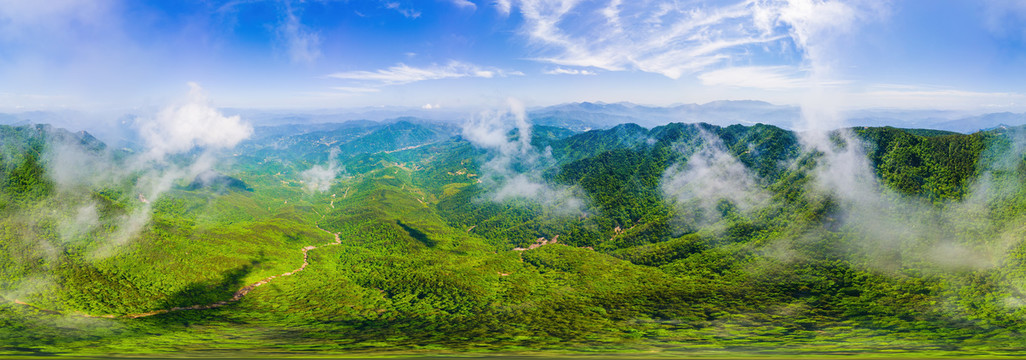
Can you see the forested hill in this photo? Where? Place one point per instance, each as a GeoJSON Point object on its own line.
{"type": "Point", "coordinates": [689, 239]}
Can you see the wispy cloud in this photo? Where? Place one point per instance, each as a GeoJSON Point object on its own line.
{"type": "Point", "coordinates": [565, 71]}
{"type": "Point", "coordinates": [405, 11]}
{"type": "Point", "coordinates": [405, 74]}
{"type": "Point", "coordinates": [192, 125]}
{"type": "Point", "coordinates": [670, 38]}
{"type": "Point", "coordinates": [301, 44]}
{"type": "Point", "coordinates": [709, 176]}
{"type": "Point", "coordinates": [466, 4]}
{"type": "Point", "coordinates": [815, 25]}
{"type": "Point", "coordinates": [504, 6]}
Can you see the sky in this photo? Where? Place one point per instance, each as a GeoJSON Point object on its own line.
{"type": "Point", "coordinates": [909, 54]}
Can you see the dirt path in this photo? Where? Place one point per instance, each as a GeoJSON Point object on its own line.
{"type": "Point", "coordinates": [239, 294]}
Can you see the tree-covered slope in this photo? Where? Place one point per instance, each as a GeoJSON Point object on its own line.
{"type": "Point", "coordinates": [684, 238]}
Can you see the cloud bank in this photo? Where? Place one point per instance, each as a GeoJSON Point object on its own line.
{"type": "Point", "coordinates": [404, 74]}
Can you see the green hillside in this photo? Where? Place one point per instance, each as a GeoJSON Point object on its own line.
{"type": "Point", "coordinates": [684, 239]}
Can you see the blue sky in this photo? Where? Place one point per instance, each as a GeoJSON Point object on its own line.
{"type": "Point", "coordinates": [110, 54]}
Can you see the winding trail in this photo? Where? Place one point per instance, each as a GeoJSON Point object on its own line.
{"type": "Point", "coordinates": [238, 295]}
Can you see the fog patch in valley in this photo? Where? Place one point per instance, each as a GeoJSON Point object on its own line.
{"type": "Point", "coordinates": [710, 176]}
{"type": "Point", "coordinates": [176, 130]}
{"type": "Point", "coordinates": [891, 230]}
{"type": "Point", "coordinates": [514, 167]}
{"type": "Point", "coordinates": [183, 141]}
{"type": "Point", "coordinates": [319, 178]}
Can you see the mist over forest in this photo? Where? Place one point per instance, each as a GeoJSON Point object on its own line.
{"type": "Point", "coordinates": [281, 178]}
{"type": "Point", "coordinates": [512, 233]}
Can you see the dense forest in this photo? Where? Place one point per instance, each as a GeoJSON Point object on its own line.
{"type": "Point", "coordinates": [688, 239]}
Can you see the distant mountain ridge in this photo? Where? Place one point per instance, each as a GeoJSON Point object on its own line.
{"type": "Point", "coordinates": [584, 116]}
{"type": "Point", "coordinates": [120, 132]}
{"type": "Point", "coordinates": [587, 115]}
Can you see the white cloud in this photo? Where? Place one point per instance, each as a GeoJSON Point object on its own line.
{"type": "Point", "coordinates": [195, 123]}
{"type": "Point", "coordinates": [302, 45]}
{"type": "Point", "coordinates": [404, 74]}
{"type": "Point", "coordinates": [815, 25]}
{"type": "Point", "coordinates": [504, 6]}
{"type": "Point", "coordinates": [467, 4]}
{"type": "Point", "coordinates": [816, 28]}
{"type": "Point", "coordinates": [565, 71]}
{"type": "Point", "coordinates": [176, 129]}
{"type": "Point", "coordinates": [430, 106]}
{"type": "Point", "coordinates": [659, 39]}
{"type": "Point", "coordinates": [490, 130]}
{"type": "Point", "coordinates": [405, 11]}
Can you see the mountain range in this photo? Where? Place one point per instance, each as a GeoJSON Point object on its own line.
{"type": "Point", "coordinates": [412, 236]}
{"type": "Point", "coordinates": [580, 116]}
